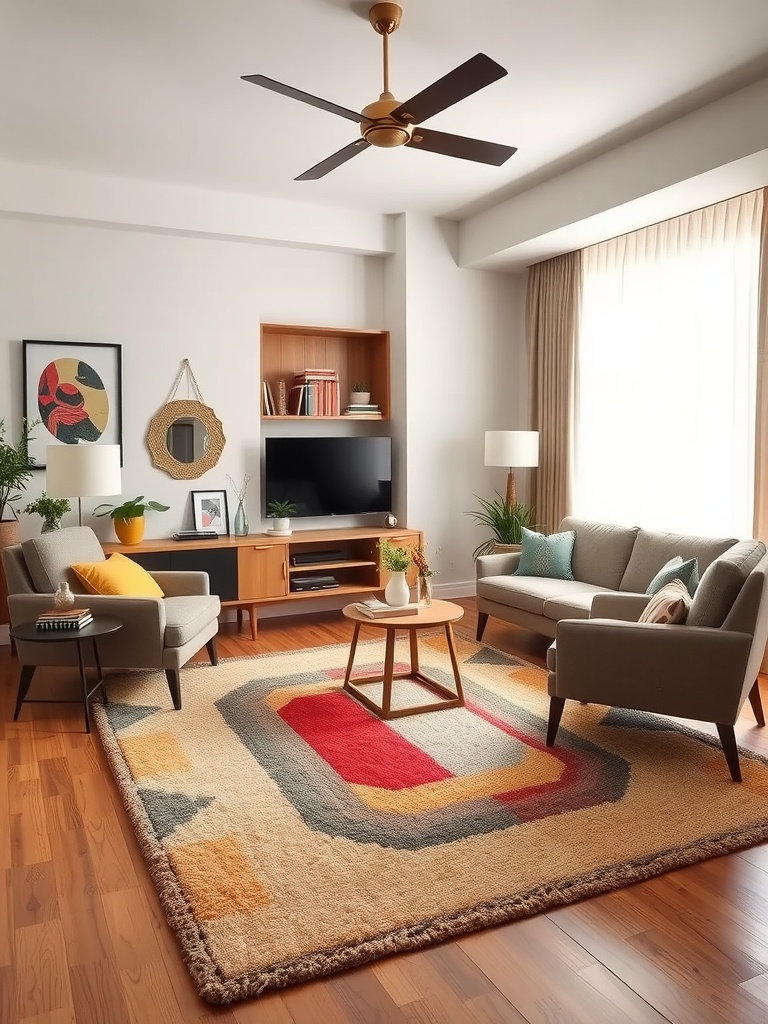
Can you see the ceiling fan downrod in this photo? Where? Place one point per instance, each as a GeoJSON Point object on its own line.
{"type": "Point", "coordinates": [378, 128]}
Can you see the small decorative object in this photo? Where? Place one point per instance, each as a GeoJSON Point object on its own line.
{"type": "Point", "coordinates": [280, 513]}
{"type": "Point", "coordinates": [63, 598]}
{"type": "Point", "coordinates": [360, 393]}
{"type": "Point", "coordinates": [128, 518]}
{"type": "Point", "coordinates": [241, 517]}
{"type": "Point", "coordinates": [505, 521]}
{"type": "Point", "coordinates": [390, 521]}
{"type": "Point", "coordinates": [51, 509]}
{"type": "Point", "coordinates": [396, 560]}
{"type": "Point", "coordinates": [424, 579]}
{"type": "Point", "coordinates": [210, 512]}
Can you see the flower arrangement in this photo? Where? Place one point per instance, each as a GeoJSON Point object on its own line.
{"type": "Point", "coordinates": [419, 559]}
{"type": "Point", "coordinates": [240, 491]}
{"type": "Point", "coordinates": [394, 558]}
{"type": "Point", "coordinates": [51, 509]}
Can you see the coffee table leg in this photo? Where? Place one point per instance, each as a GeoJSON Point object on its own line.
{"type": "Point", "coordinates": [389, 668]}
{"type": "Point", "coordinates": [413, 637]}
{"type": "Point", "coordinates": [100, 675]}
{"type": "Point", "coordinates": [25, 678]}
{"type": "Point", "coordinates": [352, 650]}
{"type": "Point", "coordinates": [84, 681]}
{"type": "Point", "coordinates": [454, 662]}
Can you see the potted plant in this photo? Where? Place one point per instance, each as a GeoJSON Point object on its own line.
{"type": "Point", "coordinates": [396, 560]}
{"type": "Point", "coordinates": [51, 509]}
{"type": "Point", "coordinates": [16, 468]}
{"type": "Point", "coordinates": [128, 518]}
{"type": "Point", "coordinates": [505, 522]}
{"type": "Point", "coordinates": [360, 393]}
{"type": "Point", "coordinates": [280, 513]}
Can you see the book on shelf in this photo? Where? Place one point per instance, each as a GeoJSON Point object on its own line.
{"type": "Point", "coordinates": [269, 401]}
{"type": "Point", "coordinates": [72, 618]}
{"type": "Point", "coordinates": [352, 407]}
{"type": "Point", "coordinates": [376, 609]}
{"type": "Point", "coordinates": [282, 398]}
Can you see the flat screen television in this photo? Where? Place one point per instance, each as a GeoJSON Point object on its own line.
{"type": "Point", "coordinates": [329, 476]}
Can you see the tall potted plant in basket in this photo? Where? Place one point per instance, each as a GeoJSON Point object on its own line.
{"type": "Point", "coordinates": [505, 522]}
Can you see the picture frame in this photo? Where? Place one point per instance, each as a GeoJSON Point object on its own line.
{"type": "Point", "coordinates": [209, 511]}
{"type": "Point", "coordinates": [76, 389]}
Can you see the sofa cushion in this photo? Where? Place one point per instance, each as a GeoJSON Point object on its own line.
{"type": "Point", "coordinates": [526, 592]}
{"type": "Point", "coordinates": [572, 604]}
{"type": "Point", "coordinates": [549, 557]}
{"type": "Point", "coordinates": [721, 583]}
{"type": "Point", "coordinates": [49, 557]}
{"type": "Point", "coordinates": [186, 616]}
{"type": "Point", "coordinates": [668, 605]}
{"type": "Point", "coordinates": [601, 551]}
{"type": "Point", "coordinates": [652, 550]}
{"type": "Point", "coordinates": [118, 576]}
{"type": "Point", "coordinates": [676, 569]}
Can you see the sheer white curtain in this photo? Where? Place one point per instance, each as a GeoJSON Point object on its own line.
{"type": "Point", "coordinates": [666, 369]}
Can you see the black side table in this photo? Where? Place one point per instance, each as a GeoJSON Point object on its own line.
{"type": "Point", "coordinates": [28, 631]}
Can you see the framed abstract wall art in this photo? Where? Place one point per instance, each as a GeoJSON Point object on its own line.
{"type": "Point", "coordinates": [75, 389]}
{"type": "Point", "coordinates": [209, 511]}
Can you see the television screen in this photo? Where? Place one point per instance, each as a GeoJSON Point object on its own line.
{"type": "Point", "coordinates": [329, 476]}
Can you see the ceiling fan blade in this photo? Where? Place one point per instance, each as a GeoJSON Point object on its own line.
{"type": "Point", "coordinates": [332, 162]}
{"type": "Point", "coordinates": [469, 77]}
{"type": "Point", "coordinates": [461, 146]}
{"type": "Point", "coordinates": [305, 97]}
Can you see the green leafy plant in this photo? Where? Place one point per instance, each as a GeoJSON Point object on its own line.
{"type": "Point", "coordinates": [505, 521]}
{"type": "Point", "coordinates": [16, 466]}
{"type": "Point", "coordinates": [51, 509]}
{"type": "Point", "coordinates": [394, 558]}
{"type": "Point", "coordinates": [361, 386]}
{"type": "Point", "coordinates": [132, 509]}
{"type": "Point", "coordinates": [281, 509]}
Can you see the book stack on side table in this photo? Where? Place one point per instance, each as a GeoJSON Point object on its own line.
{"type": "Point", "coordinates": [375, 609]}
{"type": "Point", "coordinates": [73, 618]}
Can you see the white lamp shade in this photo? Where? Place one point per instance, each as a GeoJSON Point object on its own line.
{"type": "Point", "coordinates": [83, 470]}
{"type": "Point", "coordinates": [512, 448]}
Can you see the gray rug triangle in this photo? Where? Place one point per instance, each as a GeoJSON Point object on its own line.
{"type": "Point", "coordinates": [122, 715]}
{"type": "Point", "coordinates": [169, 810]}
{"type": "Point", "coordinates": [487, 656]}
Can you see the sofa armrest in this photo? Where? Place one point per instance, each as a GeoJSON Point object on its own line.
{"type": "Point", "coordinates": [614, 605]}
{"type": "Point", "coordinates": [687, 671]}
{"type": "Point", "coordinates": [179, 583]}
{"type": "Point", "coordinates": [502, 564]}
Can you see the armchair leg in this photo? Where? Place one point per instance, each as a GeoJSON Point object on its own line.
{"type": "Point", "coordinates": [556, 705]}
{"type": "Point", "coordinates": [213, 654]}
{"type": "Point", "coordinates": [757, 706]}
{"type": "Point", "coordinates": [174, 685]}
{"type": "Point", "coordinates": [482, 619]}
{"type": "Point", "coordinates": [728, 739]}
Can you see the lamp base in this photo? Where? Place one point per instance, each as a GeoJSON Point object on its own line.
{"type": "Point", "coordinates": [511, 490]}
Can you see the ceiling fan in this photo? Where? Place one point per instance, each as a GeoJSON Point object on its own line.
{"type": "Point", "coordinates": [387, 122]}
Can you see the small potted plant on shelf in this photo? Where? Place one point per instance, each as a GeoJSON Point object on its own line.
{"type": "Point", "coordinates": [396, 560]}
{"type": "Point", "coordinates": [280, 513]}
{"type": "Point", "coordinates": [360, 393]}
{"type": "Point", "coordinates": [128, 518]}
{"type": "Point", "coordinates": [505, 522]}
{"type": "Point", "coordinates": [51, 509]}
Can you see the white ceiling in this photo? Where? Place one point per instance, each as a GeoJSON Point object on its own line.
{"type": "Point", "coordinates": [151, 89]}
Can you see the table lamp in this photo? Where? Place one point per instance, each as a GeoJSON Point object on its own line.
{"type": "Point", "coordinates": [512, 448]}
{"type": "Point", "coordinates": [82, 471]}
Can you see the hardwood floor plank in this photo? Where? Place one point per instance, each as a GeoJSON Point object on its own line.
{"type": "Point", "coordinates": [42, 977]}
{"type": "Point", "coordinates": [61, 813]}
{"type": "Point", "coordinates": [149, 996]}
{"type": "Point", "coordinates": [35, 896]}
{"type": "Point", "coordinates": [97, 994]}
{"type": "Point", "coordinates": [5, 810]}
{"type": "Point", "coordinates": [66, 1016]}
{"type": "Point", "coordinates": [7, 896]}
{"type": "Point", "coordinates": [55, 776]}
{"type": "Point", "coordinates": [28, 833]}
{"type": "Point", "coordinates": [130, 929]}
{"type": "Point", "coordinates": [80, 908]}
{"type": "Point", "coordinates": [111, 860]}
{"type": "Point", "coordinates": [360, 995]}
{"type": "Point", "coordinates": [7, 995]}
{"type": "Point", "coordinates": [269, 1009]}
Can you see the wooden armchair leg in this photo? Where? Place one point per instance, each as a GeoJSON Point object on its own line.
{"type": "Point", "coordinates": [757, 705]}
{"type": "Point", "coordinates": [556, 705]}
{"type": "Point", "coordinates": [728, 739]}
{"type": "Point", "coordinates": [482, 619]}
{"type": "Point", "coordinates": [174, 685]}
{"type": "Point", "coordinates": [213, 654]}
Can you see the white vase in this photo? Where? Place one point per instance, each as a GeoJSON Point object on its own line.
{"type": "Point", "coordinates": [397, 592]}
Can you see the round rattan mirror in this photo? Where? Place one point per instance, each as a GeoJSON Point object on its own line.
{"type": "Point", "coordinates": [185, 439]}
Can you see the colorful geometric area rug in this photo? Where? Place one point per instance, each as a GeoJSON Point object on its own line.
{"type": "Point", "coordinates": [291, 833]}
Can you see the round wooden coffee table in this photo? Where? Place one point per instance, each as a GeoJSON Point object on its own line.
{"type": "Point", "coordinates": [439, 613]}
{"type": "Point", "coordinates": [29, 633]}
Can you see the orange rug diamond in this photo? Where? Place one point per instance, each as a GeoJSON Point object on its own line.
{"type": "Point", "coordinates": [292, 834]}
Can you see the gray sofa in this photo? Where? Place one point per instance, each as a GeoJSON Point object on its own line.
{"type": "Point", "coordinates": [612, 567]}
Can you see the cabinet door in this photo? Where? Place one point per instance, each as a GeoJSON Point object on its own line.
{"type": "Point", "coordinates": [220, 564]}
{"type": "Point", "coordinates": [262, 571]}
{"type": "Point", "coordinates": [410, 542]}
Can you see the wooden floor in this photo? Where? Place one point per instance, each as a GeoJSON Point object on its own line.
{"type": "Point", "coordinates": [83, 938]}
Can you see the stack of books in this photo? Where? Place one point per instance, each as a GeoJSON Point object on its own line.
{"type": "Point", "coordinates": [368, 412]}
{"type": "Point", "coordinates": [72, 618]}
{"type": "Point", "coordinates": [375, 609]}
{"type": "Point", "coordinates": [315, 392]}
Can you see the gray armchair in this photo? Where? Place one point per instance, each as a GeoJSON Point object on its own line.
{"type": "Point", "coordinates": [160, 633]}
{"type": "Point", "coordinates": [704, 669]}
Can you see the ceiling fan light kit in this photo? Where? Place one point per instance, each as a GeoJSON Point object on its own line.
{"type": "Point", "coordinates": [387, 123]}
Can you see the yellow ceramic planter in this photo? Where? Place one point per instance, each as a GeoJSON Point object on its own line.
{"type": "Point", "coordinates": [129, 531]}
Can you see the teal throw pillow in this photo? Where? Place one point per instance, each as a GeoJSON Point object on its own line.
{"type": "Point", "coordinates": [676, 569]}
{"type": "Point", "coordinates": [546, 556]}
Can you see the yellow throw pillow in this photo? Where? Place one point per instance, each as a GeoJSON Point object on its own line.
{"type": "Point", "coordinates": [117, 575]}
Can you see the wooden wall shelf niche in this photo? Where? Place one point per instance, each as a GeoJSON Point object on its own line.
{"type": "Point", "coordinates": [356, 355]}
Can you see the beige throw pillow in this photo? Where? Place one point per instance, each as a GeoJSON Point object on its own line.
{"type": "Point", "coordinates": [668, 605]}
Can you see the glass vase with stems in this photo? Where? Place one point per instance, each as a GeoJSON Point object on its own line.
{"type": "Point", "coordinates": [241, 516]}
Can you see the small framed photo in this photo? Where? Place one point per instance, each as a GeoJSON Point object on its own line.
{"type": "Point", "coordinates": [209, 511]}
{"type": "Point", "coordinates": [74, 388]}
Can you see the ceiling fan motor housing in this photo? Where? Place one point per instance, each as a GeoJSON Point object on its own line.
{"type": "Point", "coordinates": [379, 129]}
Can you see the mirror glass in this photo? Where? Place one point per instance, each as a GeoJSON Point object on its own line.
{"type": "Point", "coordinates": [185, 439]}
